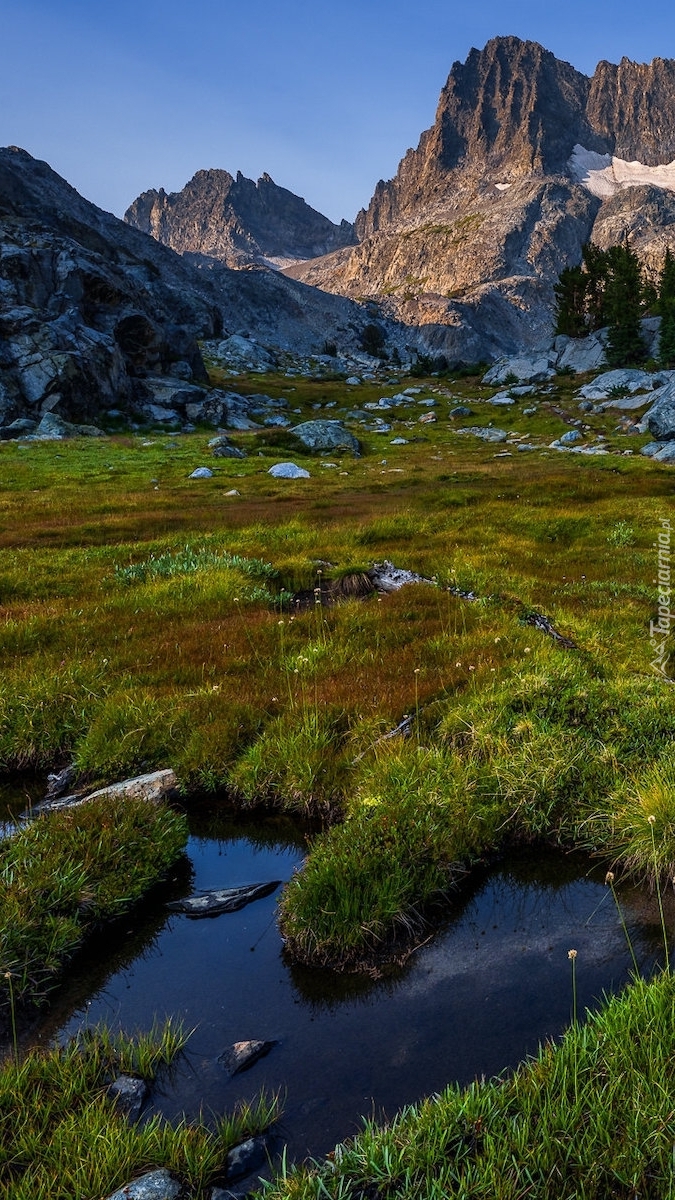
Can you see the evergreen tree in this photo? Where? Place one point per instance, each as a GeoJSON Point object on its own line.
{"type": "Point", "coordinates": [667, 337]}
{"type": "Point", "coordinates": [624, 306]}
{"type": "Point", "coordinates": [570, 302]}
{"type": "Point", "coordinates": [597, 264]}
{"type": "Point", "coordinates": [666, 308]}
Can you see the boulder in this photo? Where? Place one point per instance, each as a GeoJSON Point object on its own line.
{"type": "Point", "coordinates": [222, 900]}
{"type": "Point", "coordinates": [245, 354]}
{"type": "Point", "coordinates": [155, 1185]}
{"type": "Point", "coordinates": [524, 368]}
{"type": "Point", "coordinates": [666, 453]}
{"type": "Point", "coordinates": [129, 1095]}
{"type": "Point", "coordinates": [17, 429]}
{"type": "Point", "coordinates": [581, 354]}
{"type": "Point", "coordinates": [461, 411]}
{"type": "Point", "coordinates": [288, 470]}
{"type": "Point", "coordinates": [487, 434]}
{"type": "Point", "coordinates": [53, 428]}
{"type": "Point", "coordinates": [326, 435]}
{"type": "Point", "coordinates": [246, 1158]}
{"type": "Point", "coordinates": [652, 448]}
{"type": "Point", "coordinates": [502, 398]}
{"type": "Point", "coordinates": [155, 787]}
{"type": "Point", "coordinates": [226, 450]}
{"type": "Point", "coordinates": [629, 378]}
{"type": "Point", "coordinates": [201, 473]}
{"type": "Point", "coordinates": [242, 1055]}
{"type": "Point", "coordinates": [570, 437]}
{"type": "Point", "coordinates": [388, 578]}
{"type": "Point", "coordinates": [660, 419]}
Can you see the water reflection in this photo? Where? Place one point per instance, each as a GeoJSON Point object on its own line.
{"type": "Point", "coordinates": [479, 996]}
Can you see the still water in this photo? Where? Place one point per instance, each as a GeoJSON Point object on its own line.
{"type": "Point", "coordinates": [474, 1000]}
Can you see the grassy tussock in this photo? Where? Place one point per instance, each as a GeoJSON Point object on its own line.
{"type": "Point", "coordinates": [69, 871]}
{"type": "Point", "coordinates": [62, 1139]}
{"type": "Point", "coordinates": [590, 1118]}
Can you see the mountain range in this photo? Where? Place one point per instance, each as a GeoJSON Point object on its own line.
{"type": "Point", "coordinates": [527, 160]}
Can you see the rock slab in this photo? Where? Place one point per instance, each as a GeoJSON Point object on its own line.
{"type": "Point", "coordinates": [242, 1055]}
{"type": "Point", "coordinates": [222, 900]}
{"type": "Point", "coordinates": [156, 1185]}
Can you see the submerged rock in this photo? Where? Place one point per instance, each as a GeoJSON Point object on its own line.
{"type": "Point", "coordinates": [129, 1095]}
{"type": "Point", "coordinates": [156, 1185]}
{"type": "Point", "coordinates": [249, 1156]}
{"type": "Point", "coordinates": [222, 900]}
{"type": "Point", "coordinates": [242, 1055]}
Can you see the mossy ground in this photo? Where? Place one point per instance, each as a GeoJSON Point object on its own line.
{"type": "Point", "coordinates": [192, 658]}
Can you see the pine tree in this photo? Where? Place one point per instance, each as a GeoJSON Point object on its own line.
{"type": "Point", "coordinates": [624, 306]}
{"type": "Point", "coordinates": [570, 302]}
{"type": "Point", "coordinates": [597, 267]}
{"type": "Point", "coordinates": [666, 308]}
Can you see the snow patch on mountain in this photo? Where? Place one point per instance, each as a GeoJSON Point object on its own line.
{"type": "Point", "coordinates": [604, 175]}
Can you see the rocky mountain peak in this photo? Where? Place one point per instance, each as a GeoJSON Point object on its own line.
{"type": "Point", "coordinates": [237, 221]}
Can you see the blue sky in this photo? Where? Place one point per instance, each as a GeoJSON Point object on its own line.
{"type": "Point", "coordinates": [326, 97]}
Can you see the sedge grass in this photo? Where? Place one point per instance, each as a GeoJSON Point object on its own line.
{"type": "Point", "coordinates": [63, 1138]}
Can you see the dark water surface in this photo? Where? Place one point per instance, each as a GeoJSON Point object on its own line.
{"type": "Point", "coordinates": [474, 1000]}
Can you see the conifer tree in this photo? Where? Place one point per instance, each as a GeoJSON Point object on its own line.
{"type": "Point", "coordinates": [666, 307]}
{"type": "Point", "coordinates": [597, 267]}
{"type": "Point", "coordinates": [570, 302]}
{"type": "Point", "coordinates": [624, 306]}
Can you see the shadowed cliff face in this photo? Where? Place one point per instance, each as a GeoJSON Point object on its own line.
{"type": "Point", "coordinates": [237, 221]}
{"type": "Point", "coordinates": [632, 106]}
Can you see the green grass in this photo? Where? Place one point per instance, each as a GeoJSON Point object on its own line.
{"type": "Point", "coordinates": [590, 1118]}
{"type": "Point", "coordinates": [69, 871]}
{"type": "Point", "coordinates": [63, 1139]}
{"type": "Point", "coordinates": [141, 629]}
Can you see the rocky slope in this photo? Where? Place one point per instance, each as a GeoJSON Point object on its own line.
{"type": "Point", "coordinates": [237, 221]}
{"type": "Point", "coordinates": [96, 315]}
{"type": "Point", "coordinates": [527, 159]}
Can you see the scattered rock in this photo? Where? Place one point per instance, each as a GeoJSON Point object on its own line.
{"type": "Point", "coordinates": [326, 435]}
{"type": "Point", "coordinates": [16, 429]}
{"type": "Point", "coordinates": [242, 1055]}
{"type": "Point", "coordinates": [155, 1185]}
{"type": "Point", "coordinates": [525, 368]}
{"type": "Point", "coordinates": [666, 453]}
{"type": "Point", "coordinates": [427, 418]}
{"type": "Point", "coordinates": [288, 470]}
{"type": "Point", "coordinates": [388, 578]}
{"type": "Point", "coordinates": [652, 448]}
{"type": "Point", "coordinates": [660, 419]}
{"type": "Point", "coordinates": [581, 354]}
{"type": "Point", "coordinates": [486, 434]}
{"type": "Point", "coordinates": [245, 353]}
{"type": "Point", "coordinates": [233, 492]}
{"type": "Point", "coordinates": [630, 378]}
{"type": "Point", "coordinates": [461, 411]}
{"type": "Point", "coordinates": [246, 1158]}
{"type": "Point", "coordinates": [570, 437]}
{"type": "Point", "coordinates": [129, 1095]}
{"type": "Point", "coordinates": [201, 473]}
{"type": "Point", "coordinates": [222, 900]}
{"type": "Point", "coordinates": [352, 381]}
{"type": "Point", "coordinates": [501, 399]}
{"type": "Point", "coordinates": [225, 450]}
{"type": "Point", "coordinates": [399, 441]}
{"type": "Point", "coordinates": [155, 787]}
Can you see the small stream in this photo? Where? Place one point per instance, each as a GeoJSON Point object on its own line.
{"type": "Point", "coordinates": [474, 1000]}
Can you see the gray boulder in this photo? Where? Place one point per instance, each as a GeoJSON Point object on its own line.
{"type": "Point", "coordinates": [660, 419]}
{"type": "Point", "coordinates": [630, 378]}
{"type": "Point", "coordinates": [388, 578]}
{"type": "Point", "coordinates": [129, 1095]}
{"type": "Point", "coordinates": [570, 437]}
{"type": "Point", "coordinates": [652, 448]}
{"type": "Point", "coordinates": [155, 787]}
{"type": "Point", "coordinates": [666, 453]}
{"type": "Point", "coordinates": [242, 1055]}
{"type": "Point", "coordinates": [581, 354]}
{"type": "Point", "coordinates": [246, 1158]}
{"type": "Point", "coordinates": [526, 368]}
{"type": "Point", "coordinates": [245, 354]}
{"type": "Point", "coordinates": [222, 900]}
{"type": "Point", "coordinates": [326, 435]}
{"type": "Point", "coordinates": [288, 470]}
{"type": "Point", "coordinates": [487, 435]}
{"type": "Point", "coordinates": [201, 473]}
{"type": "Point", "coordinates": [53, 428]}
{"type": "Point", "coordinates": [155, 1185]}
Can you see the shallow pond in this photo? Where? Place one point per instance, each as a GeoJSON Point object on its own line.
{"type": "Point", "coordinates": [474, 1000]}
